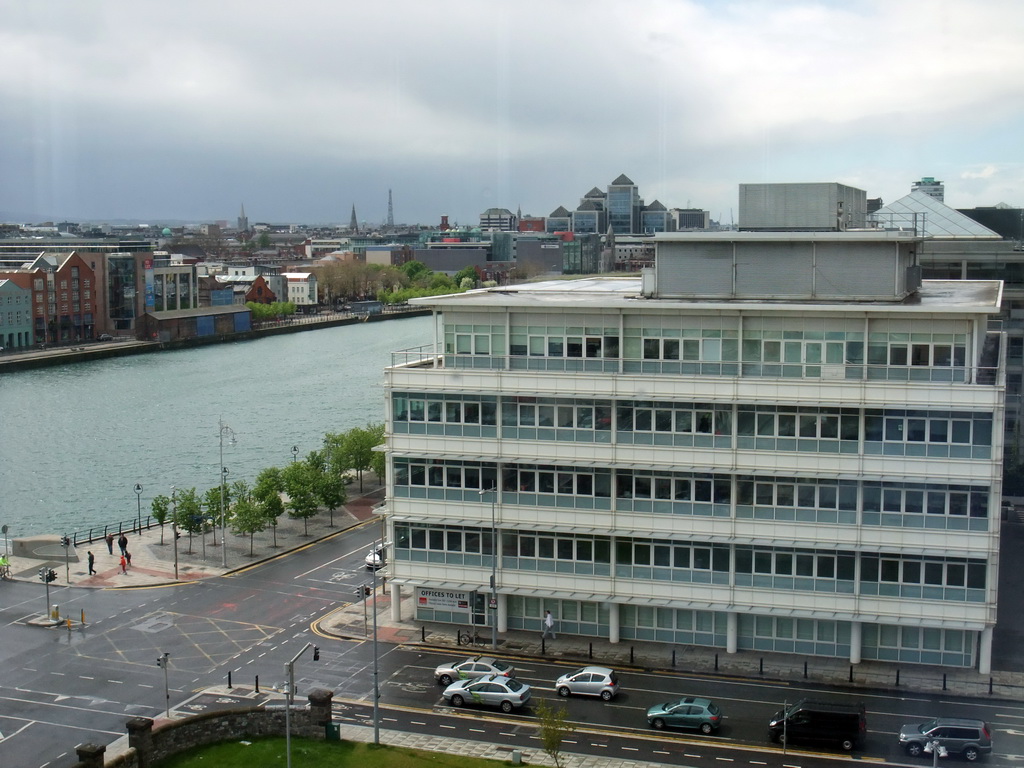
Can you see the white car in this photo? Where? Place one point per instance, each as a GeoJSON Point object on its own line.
{"type": "Point", "coordinates": [377, 558]}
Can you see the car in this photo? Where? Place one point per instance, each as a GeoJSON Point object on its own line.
{"type": "Point", "coordinates": [489, 690]}
{"type": "Point", "coordinates": [688, 712]}
{"type": "Point", "coordinates": [104, 337]}
{"type": "Point", "coordinates": [377, 557]}
{"type": "Point", "coordinates": [472, 668]}
{"type": "Point", "coordinates": [826, 722]}
{"type": "Point", "coordinates": [589, 681]}
{"type": "Point", "coordinates": [968, 738]}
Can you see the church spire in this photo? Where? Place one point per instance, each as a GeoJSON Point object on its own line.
{"type": "Point", "coordinates": [353, 224]}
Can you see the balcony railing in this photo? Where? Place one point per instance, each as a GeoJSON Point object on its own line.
{"type": "Point", "coordinates": [427, 357]}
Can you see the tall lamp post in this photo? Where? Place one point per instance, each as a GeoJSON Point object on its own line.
{"type": "Point", "coordinates": [295, 453]}
{"type": "Point", "coordinates": [493, 600]}
{"type": "Point", "coordinates": [223, 429]}
{"type": "Point", "coordinates": [138, 498]}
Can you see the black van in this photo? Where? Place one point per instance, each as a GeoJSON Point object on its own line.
{"type": "Point", "coordinates": [821, 722]}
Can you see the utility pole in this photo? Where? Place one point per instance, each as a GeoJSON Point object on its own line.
{"type": "Point", "coordinates": [162, 661]}
{"type": "Point", "coordinates": [289, 670]}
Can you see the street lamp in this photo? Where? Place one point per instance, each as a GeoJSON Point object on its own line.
{"type": "Point", "coordinates": [493, 601]}
{"type": "Point", "coordinates": [174, 528]}
{"type": "Point", "coordinates": [138, 498]}
{"type": "Point", "coordinates": [223, 429]}
{"type": "Point", "coordinates": [295, 453]}
{"type": "Point", "coordinates": [289, 670]}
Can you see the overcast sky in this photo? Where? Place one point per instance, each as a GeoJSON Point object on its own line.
{"type": "Point", "coordinates": [183, 109]}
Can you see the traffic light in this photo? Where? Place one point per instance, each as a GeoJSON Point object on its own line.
{"type": "Point", "coordinates": [161, 660]}
{"type": "Point", "coordinates": [51, 575]}
{"type": "Point", "coordinates": [316, 653]}
{"type": "Point", "coordinates": [42, 575]}
{"type": "Point", "coordinates": [366, 590]}
{"type": "Point", "coordinates": [65, 542]}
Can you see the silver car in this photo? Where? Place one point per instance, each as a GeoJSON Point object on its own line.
{"type": "Point", "coordinates": [589, 681]}
{"type": "Point", "coordinates": [472, 668]}
{"type": "Point", "coordinates": [489, 690]}
{"type": "Point", "coordinates": [969, 738]}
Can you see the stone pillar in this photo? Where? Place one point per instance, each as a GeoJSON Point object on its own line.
{"type": "Point", "coordinates": [90, 755]}
{"type": "Point", "coordinates": [732, 631]}
{"type": "Point", "coordinates": [396, 602]}
{"type": "Point", "coordinates": [140, 738]}
{"type": "Point", "coordinates": [856, 641]}
{"type": "Point", "coordinates": [613, 622]}
{"type": "Point", "coordinates": [985, 651]}
{"type": "Point", "coordinates": [502, 613]}
{"type": "Point", "coordinates": [320, 708]}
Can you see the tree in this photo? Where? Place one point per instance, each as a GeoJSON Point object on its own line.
{"type": "Point", "coordinates": [189, 515]}
{"type": "Point", "coordinates": [378, 461]}
{"type": "Point", "coordinates": [212, 504]}
{"type": "Point", "coordinates": [466, 273]}
{"type": "Point", "coordinates": [300, 483]}
{"type": "Point", "coordinates": [554, 726]}
{"type": "Point", "coordinates": [331, 490]}
{"type": "Point", "coordinates": [357, 449]}
{"type": "Point", "coordinates": [263, 240]}
{"type": "Point", "coordinates": [415, 270]}
{"type": "Point", "coordinates": [248, 517]}
{"type": "Point", "coordinates": [267, 494]}
{"type": "Point", "coordinates": [161, 507]}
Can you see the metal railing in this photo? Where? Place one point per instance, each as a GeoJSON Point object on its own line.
{"type": "Point", "coordinates": [99, 532]}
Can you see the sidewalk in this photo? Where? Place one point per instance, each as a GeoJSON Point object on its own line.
{"type": "Point", "coordinates": [153, 550]}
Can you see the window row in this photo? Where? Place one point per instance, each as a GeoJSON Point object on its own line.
{"type": "Point", "coordinates": [446, 409]}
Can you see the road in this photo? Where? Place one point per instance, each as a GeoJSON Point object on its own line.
{"type": "Point", "coordinates": [60, 688]}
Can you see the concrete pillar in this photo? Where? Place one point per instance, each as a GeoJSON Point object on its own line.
{"type": "Point", "coordinates": [90, 755]}
{"type": "Point", "coordinates": [613, 622]}
{"type": "Point", "coordinates": [140, 738]}
{"type": "Point", "coordinates": [732, 631]}
{"type": "Point", "coordinates": [856, 641]}
{"type": "Point", "coordinates": [985, 651]}
{"type": "Point", "coordinates": [502, 613]}
{"type": "Point", "coordinates": [396, 601]}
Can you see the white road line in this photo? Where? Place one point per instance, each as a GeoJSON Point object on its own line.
{"type": "Point", "coordinates": [725, 759]}
{"type": "Point", "coordinates": [661, 752]}
{"type": "Point", "coordinates": [477, 730]}
{"type": "Point", "coordinates": [416, 722]}
{"type": "Point", "coordinates": [687, 754]}
{"type": "Point", "coordinates": [452, 727]}
{"type": "Point", "coordinates": [630, 749]}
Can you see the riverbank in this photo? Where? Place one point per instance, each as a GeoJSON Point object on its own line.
{"type": "Point", "coordinates": [21, 360]}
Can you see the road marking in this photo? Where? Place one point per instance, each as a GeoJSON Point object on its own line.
{"type": "Point", "coordinates": [725, 759]}
{"type": "Point", "coordinates": [686, 754]}
{"type": "Point", "coordinates": [502, 733]}
{"type": "Point", "coordinates": [757, 762]}
{"type": "Point", "coordinates": [661, 752]}
{"type": "Point", "coordinates": [477, 730]}
{"type": "Point", "coordinates": [630, 749]}
{"type": "Point", "coordinates": [416, 722]}
{"type": "Point", "coordinates": [452, 727]}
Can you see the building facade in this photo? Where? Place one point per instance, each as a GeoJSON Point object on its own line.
{"type": "Point", "coordinates": [15, 316]}
{"type": "Point", "coordinates": [796, 452]}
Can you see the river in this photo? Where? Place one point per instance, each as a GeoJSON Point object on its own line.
{"type": "Point", "coordinates": [75, 439]}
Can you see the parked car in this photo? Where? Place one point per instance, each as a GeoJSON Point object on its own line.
{"type": "Point", "coordinates": [969, 738]}
{"type": "Point", "coordinates": [104, 337]}
{"type": "Point", "coordinates": [489, 690]}
{"type": "Point", "coordinates": [377, 557]}
{"type": "Point", "coordinates": [820, 721]}
{"type": "Point", "coordinates": [688, 712]}
{"type": "Point", "coordinates": [472, 668]}
{"type": "Point", "coordinates": [589, 681]}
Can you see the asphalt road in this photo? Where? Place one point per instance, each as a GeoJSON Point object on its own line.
{"type": "Point", "coordinates": [60, 688]}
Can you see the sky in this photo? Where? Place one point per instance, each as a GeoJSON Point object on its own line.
{"type": "Point", "coordinates": [186, 110]}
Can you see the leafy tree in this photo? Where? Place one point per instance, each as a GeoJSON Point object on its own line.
{"type": "Point", "coordinates": [357, 450]}
{"type": "Point", "coordinates": [212, 505]}
{"type": "Point", "coordinates": [300, 483]}
{"type": "Point", "coordinates": [554, 726]}
{"type": "Point", "coordinates": [263, 240]}
{"type": "Point", "coordinates": [189, 515]}
{"type": "Point", "coordinates": [439, 281]}
{"type": "Point", "coordinates": [161, 507]}
{"type": "Point", "coordinates": [378, 461]}
{"type": "Point", "coordinates": [414, 270]}
{"type": "Point", "coordinates": [240, 490]}
{"type": "Point", "coordinates": [467, 284]}
{"type": "Point", "coordinates": [248, 517]}
{"type": "Point", "coordinates": [331, 490]}
{"type": "Point", "coordinates": [468, 272]}
{"type": "Point", "coordinates": [267, 495]}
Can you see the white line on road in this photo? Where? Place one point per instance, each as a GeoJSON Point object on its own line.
{"type": "Point", "coordinates": [630, 749]}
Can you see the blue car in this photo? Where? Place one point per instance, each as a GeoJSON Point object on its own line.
{"type": "Point", "coordinates": [690, 712]}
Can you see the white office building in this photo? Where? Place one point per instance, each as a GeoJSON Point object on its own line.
{"type": "Point", "coordinates": [770, 441]}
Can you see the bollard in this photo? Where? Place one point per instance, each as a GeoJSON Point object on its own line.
{"type": "Point", "coordinates": [851, 673]}
{"type": "Point", "coordinates": [716, 662]}
{"type": "Point", "coordinates": [543, 645]}
{"type": "Point", "coordinates": [68, 623]}
{"type": "Point", "coordinates": [257, 683]}
{"type": "Point", "coordinates": [423, 633]}
{"type": "Point", "coordinates": [805, 670]}
{"type": "Point", "coordinates": [83, 617]}
{"type": "Point", "coordinates": [229, 678]}
{"type": "Point", "coordinates": [760, 666]}
{"type": "Point", "coordinates": [673, 657]}
{"type": "Point", "coordinates": [990, 686]}
{"type": "Point", "coordinates": [631, 654]}
{"type": "Point", "coordinates": [591, 650]}
{"type": "Point", "coordinates": [943, 681]}
{"type": "Point", "coordinates": [897, 678]}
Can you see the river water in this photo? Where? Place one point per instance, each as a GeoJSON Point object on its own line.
{"type": "Point", "coordinates": [75, 439]}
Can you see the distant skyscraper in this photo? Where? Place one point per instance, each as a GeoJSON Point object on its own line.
{"type": "Point", "coordinates": [624, 205]}
{"type": "Point", "coordinates": [243, 220]}
{"type": "Point", "coordinates": [391, 212]}
{"type": "Point", "coordinates": [930, 187]}
{"type": "Point", "coordinates": [353, 223]}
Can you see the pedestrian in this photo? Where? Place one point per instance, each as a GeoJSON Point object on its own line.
{"type": "Point", "coordinates": [123, 543]}
{"type": "Point", "coordinates": [124, 565]}
{"type": "Point", "coordinates": [110, 543]}
{"type": "Point", "coordinates": [92, 564]}
{"type": "Point", "coordinates": [549, 626]}
{"type": "Point", "coordinates": [128, 557]}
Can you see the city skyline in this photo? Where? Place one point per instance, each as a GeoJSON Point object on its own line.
{"type": "Point", "coordinates": [122, 112]}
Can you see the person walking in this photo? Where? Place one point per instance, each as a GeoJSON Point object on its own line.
{"type": "Point", "coordinates": [110, 543]}
{"type": "Point", "coordinates": [123, 544]}
{"type": "Point", "coordinates": [549, 626]}
{"type": "Point", "coordinates": [124, 565]}
{"type": "Point", "coordinates": [128, 557]}
{"type": "Point", "coordinates": [92, 564]}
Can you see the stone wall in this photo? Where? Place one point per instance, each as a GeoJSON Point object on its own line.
{"type": "Point", "coordinates": [148, 745]}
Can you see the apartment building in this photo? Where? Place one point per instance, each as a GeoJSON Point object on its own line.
{"type": "Point", "coordinates": [770, 441]}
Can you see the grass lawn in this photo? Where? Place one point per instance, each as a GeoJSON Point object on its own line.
{"type": "Point", "coordinates": [319, 754]}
